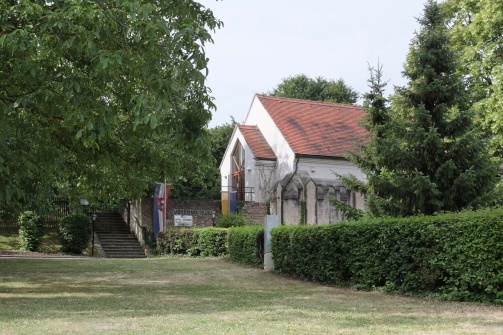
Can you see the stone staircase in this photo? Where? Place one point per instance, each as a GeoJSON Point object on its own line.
{"type": "Point", "coordinates": [115, 238]}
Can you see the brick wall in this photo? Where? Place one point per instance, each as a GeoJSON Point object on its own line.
{"type": "Point", "coordinates": [254, 212]}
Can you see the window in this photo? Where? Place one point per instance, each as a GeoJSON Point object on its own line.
{"type": "Point", "coordinates": [238, 170]}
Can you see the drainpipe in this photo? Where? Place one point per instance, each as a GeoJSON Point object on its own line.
{"type": "Point", "coordinates": [286, 185]}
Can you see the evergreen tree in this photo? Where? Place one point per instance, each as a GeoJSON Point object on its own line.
{"type": "Point", "coordinates": [424, 154]}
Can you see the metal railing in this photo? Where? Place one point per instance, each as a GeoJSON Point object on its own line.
{"type": "Point", "coordinates": [242, 193]}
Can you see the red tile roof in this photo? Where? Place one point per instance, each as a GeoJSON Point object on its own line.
{"type": "Point", "coordinates": [257, 143]}
{"type": "Point", "coordinates": [316, 128]}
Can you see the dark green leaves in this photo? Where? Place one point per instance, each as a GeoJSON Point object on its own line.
{"type": "Point", "coordinates": [92, 91]}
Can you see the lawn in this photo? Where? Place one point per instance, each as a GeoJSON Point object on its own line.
{"type": "Point", "coordinates": [9, 240]}
{"type": "Point", "coordinates": [209, 296]}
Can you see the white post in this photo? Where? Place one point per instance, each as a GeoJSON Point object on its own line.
{"type": "Point", "coordinates": [270, 222]}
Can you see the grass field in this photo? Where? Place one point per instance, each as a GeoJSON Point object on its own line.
{"type": "Point", "coordinates": [209, 296]}
{"type": "Point", "coordinates": [9, 240]}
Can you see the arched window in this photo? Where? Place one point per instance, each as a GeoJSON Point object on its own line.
{"type": "Point", "coordinates": [238, 170]}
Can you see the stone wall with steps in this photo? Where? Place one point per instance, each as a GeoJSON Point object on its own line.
{"type": "Point", "coordinates": [115, 238]}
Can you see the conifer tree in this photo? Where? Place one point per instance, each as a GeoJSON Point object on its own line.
{"type": "Point", "coordinates": [424, 154]}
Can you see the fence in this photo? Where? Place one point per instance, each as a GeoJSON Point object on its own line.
{"type": "Point", "coordinates": [61, 209]}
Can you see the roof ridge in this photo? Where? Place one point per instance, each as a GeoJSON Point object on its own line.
{"type": "Point", "coordinates": [305, 101]}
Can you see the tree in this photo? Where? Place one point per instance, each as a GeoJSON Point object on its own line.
{"type": "Point", "coordinates": [319, 89]}
{"type": "Point", "coordinates": [204, 181]}
{"type": "Point", "coordinates": [424, 154]}
{"type": "Point", "coordinates": [220, 137]}
{"type": "Point", "coordinates": [476, 32]}
{"type": "Point", "coordinates": [101, 97]}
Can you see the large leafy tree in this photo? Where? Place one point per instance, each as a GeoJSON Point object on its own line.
{"type": "Point", "coordinates": [101, 97]}
{"type": "Point", "coordinates": [477, 33]}
{"type": "Point", "coordinates": [319, 89]}
{"type": "Point", "coordinates": [424, 154]}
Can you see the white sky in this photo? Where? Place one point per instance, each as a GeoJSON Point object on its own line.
{"type": "Point", "coordinates": [264, 41]}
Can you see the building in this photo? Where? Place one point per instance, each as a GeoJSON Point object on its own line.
{"type": "Point", "coordinates": [286, 152]}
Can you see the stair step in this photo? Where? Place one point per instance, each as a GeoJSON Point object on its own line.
{"type": "Point", "coordinates": [117, 241]}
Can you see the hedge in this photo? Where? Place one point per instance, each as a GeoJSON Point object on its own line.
{"type": "Point", "coordinates": [456, 256]}
{"type": "Point", "coordinates": [31, 230]}
{"type": "Point", "coordinates": [209, 242]}
{"type": "Point", "coordinates": [246, 245]}
{"type": "Point", "coordinates": [75, 233]}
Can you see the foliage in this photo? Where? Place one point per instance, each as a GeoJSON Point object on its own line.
{"type": "Point", "coordinates": [212, 242]}
{"type": "Point", "coordinates": [424, 155]}
{"type": "Point", "coordinates": [204, 242]}
{"type": "Point", "coordinates": [148, 239]}
{"type": "Point", "coordinates": [319, 89]}
{"type": "Point", "coordinates": [354, 185]}
{"type": "Point", "coordinates": [93, 91]}
{"type": "Point", "coordinates": [75, 232]}
{"type": "Point", "coordinates": [475, 28]}
{"type": "Point", "coordinates": [246, 245]}
{"type": "Point", "coordinates": [456, 256]}
{"type": "Point", "coordinates": [10, 241]}
{"type": "Point", "coordinates": [175, 241]}
{"type": "Point", "coordinates": [203, 181]}
{"type": "Point", "coordinates": [31, 231]}
{"type": "Point", "coordinates": [228, 220]}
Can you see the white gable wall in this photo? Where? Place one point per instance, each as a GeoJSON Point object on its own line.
{"type": "Point", "coordinates": [258, 116]}
{"type": "Point", "coordinates": [251, 180]}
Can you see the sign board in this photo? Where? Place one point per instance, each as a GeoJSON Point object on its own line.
{"type": "Point", "coordinates": [183, 221]}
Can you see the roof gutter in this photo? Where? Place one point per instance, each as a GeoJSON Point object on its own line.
{"type": "Point", "coordinates": [286, 185]}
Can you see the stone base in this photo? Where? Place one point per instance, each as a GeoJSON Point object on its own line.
{"type": "Point", "coordinates": [268, 262]}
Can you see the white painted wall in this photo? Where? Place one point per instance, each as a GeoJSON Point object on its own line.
{"type": "Point", "coordinates": [258, 116]}
{"type": "Point", "coordinates": [324, 168]}
{"type": "Point", "coordinates": [251, 176]}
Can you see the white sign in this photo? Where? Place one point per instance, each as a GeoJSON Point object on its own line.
{"type": "Point", "coordinates": [183, 221]}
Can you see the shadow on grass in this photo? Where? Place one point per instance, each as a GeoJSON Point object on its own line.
{"type": "Point", "coordinates": [200, 288]}
{"type": "Point", "coordinates": [9, 240]}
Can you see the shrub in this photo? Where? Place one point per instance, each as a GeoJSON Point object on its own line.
{"type": "Point", "coordinates": [229, 220]}
{"type": "Point", "coordinates": [456, 256]}
{"type": "Point", "coordinates": [176, 242]}
{"type": "Point", "coordinates": [75, 232]}
{"type": "Point", "coordinates": [31, 231]}
{"type": "Point", "coordinates": [206, 242]}
{"type": "Point", "coordinates": [212, 242]}
{"type": "Point", "coordinates": [246, 245]}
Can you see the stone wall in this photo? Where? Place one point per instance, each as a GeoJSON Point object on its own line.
{"type": "Point", "coordinates": [141, 216]}
{"type": "Point", "coordinates": [301, 198]}
{"type": "Point", "coordinates": [254, 212]}
{"type": "Point", "coordinates": [142, 213]}
{"type": "Point", "coordinates": [199, 221]}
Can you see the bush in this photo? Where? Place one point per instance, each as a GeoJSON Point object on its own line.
{"type": "Point", "coordinates": [75, 232]}
{"type": "Point", "coordinates": [246, 245]}
{"type": "Point", "coordinates": [206, 242]}
{"type": "Point", "coordinates": [229, 220]}
{"type": "Point", "coordinates": [212, 242]}
{"type": "Point", "coordinates": [31, 231]}
{"type": "Point", "coordinates": [456, 256]}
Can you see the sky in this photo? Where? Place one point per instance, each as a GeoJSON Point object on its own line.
{"type": "Point", "coordinates": [265, 41]}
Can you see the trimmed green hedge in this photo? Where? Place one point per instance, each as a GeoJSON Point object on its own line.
{"type": "Point", "coordinates": [246, 245]}
{"type": "Point", "coordinates": [31, 230]}
{"type": "Point", "coordinates": [456, 256]}
{"type": "Point", "coordinates": [206, 242]}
